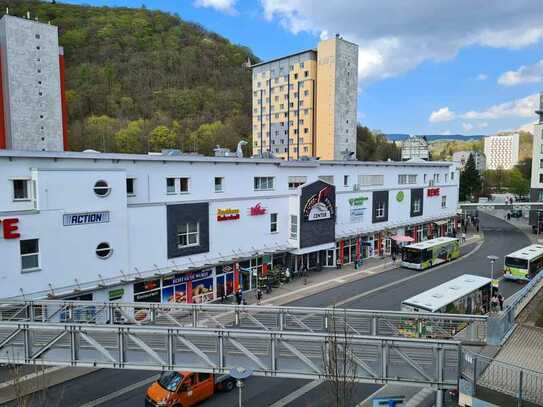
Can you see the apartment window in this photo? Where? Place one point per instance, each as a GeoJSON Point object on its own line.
{"type": "Point", "coordinates": [273, 223]}
{"type": "Point", "coordinates": [295, 76]}
{"type": "Point", "coordinates": [301, 65]}
{"type": "Point", "coordinates": [436, 178]}
{"type": "Point", "coordinates": [416, 205]}
{"type": "Point", "coordinates": [130, 186]}
{"type": "Point", "coordinates": [327, 178]}
{"type": "Point", "coordinates": [183, 184]}
{"type": "Point", "coordinates": [306, 130]}
{"type": "Point", "coordinates": [30, 255]}
{"type": "Point", "coordinates": [371, 180]}
{"type": "Point", "coordinates": [104, 251]}
{"type": "Point", "coordinates": [219, 181]}
{"type": "Point", "coordinates": [295, 182]}
{"type": "Point", "coordinates": [345, 180]}
{"type": "Point", "coordinates": [407, 179]}
{"type": "Point", "coordinates": [446, 178]}
{"type": "Point", "coordinates": [443, 201]}
{"type": "Point", "coordinates": [188, 234]}
{"type": "Point", "coordinates": [21, 190]}
{"type": "Point", "coordinates": [101, 188]}
{"type": "Point", "coordinates": [306, 74]}
{"type": "Point", "coordinates": [170, 185]}
{"type": "Point", "coordinates": [425, 178]}
{"type": "Point", "coordinates": [306, 92]}
{"type": "Point", "coordinates": [263, 183]}
{"type": "Point", "coordinates": [293, 227]}
{"type": "Point", "coordinates": [380, 210]}
{"type": "Point", "coordinates": [540, 163]}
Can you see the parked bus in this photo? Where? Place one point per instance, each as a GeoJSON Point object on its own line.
{"type": "Point", "coordinates": [467, 294]}
{"type": "Point", "coordinates": [420, 256]}
{"type": "Point", "coordinates": [524, 264]}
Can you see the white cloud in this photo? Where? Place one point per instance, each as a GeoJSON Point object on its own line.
{"type": "Point", "coordinates": [446, 133]}
{"type": "Point", "coordinates": [433, 30]}
{"type": "Point", "coordinates": [482, 125]}
{"type": "Point", "coordinates": [225, 6]}
{"type": "Point", "coordinates": [517, 108]}
{"type": "Point", "coordinates": [441, 115]}
{"type": "Point", "coordinates": [482, 77]}
{"type": "Point", "coordinates": [529, 127]}
{"type": "Point", "coordinates": [467, 126]}
{"type": "Point", "coordinates": [525, 74]}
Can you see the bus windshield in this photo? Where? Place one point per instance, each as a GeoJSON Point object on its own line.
{"type": "Point", "coordinates": [411, 255]}
{"type": "Point", "coordinates": [516, 263]}
{"type": "Point", "coordinates": [170, 380]}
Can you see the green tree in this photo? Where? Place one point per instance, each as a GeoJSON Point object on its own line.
{"type": "Point", "coordinates": [525, 168]}
{"type": "Point", "coordinates": [130, 138]}
{"type": "Point", "coordinates": [470, 180]}
{"type": "Point", "coordinates": [99, 132]}
{"type": "Point", "coordinates": [518, 185]}
{"type": "Point", "coordinates": [161, 138]}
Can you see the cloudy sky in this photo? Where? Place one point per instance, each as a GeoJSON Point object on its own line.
{"type": "Point", "coordinates": [425, 66]}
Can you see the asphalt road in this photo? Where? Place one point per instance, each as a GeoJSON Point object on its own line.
{"type": "Point", "coordinates": [500, 238]}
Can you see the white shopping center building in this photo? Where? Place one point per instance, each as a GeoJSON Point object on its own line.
{"type": "Point", "coordinates": [160, 227]}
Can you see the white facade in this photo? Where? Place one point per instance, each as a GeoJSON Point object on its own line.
{"type": "Point", "coordinates": [461, 158]}
{"type": "Point", "coordinates": [502, 151]}
{"type": "Point", "coordinates": [31, 83]}
{"type": "Point", "coordinates": [415, 147]}
{"type": "Point", "coordinates": [51, 197]}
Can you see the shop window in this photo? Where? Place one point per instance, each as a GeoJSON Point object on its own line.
{"type": "Point", "coordinates": [170, 185]}
{"type": "Point", "coordinates": [273, 223]}
{"type": "Point", "coordinates": [219, 184]}
{"type": "Point", "coordinates": [102, 189]}
{"type": "Point", "coordinates": [30, 255]}
{"type": "Point", "coordinates": [293, 227]}
{"type": "Point", "coordinates": [104, 251]}
{"type": "Point", "coordinates": [21, 190]}
{"type": "Point", "coordinates": [294, 182]}
{"type": "Point", "coordinates": [188, 234]}
{"type": "Point", "coordinates": [130, 186]}
{"type": "Point", "coordinates": [263, 183]}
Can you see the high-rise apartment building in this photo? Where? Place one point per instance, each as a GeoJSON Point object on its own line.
{"type": "Point", "coordinates": [304, 104]}
{"type": "Point", "coordinates": [536, 183]}
{"type": "Point", "coordinates": [501, 151]}
{"type": "Point", "coordinates": [33, 114]}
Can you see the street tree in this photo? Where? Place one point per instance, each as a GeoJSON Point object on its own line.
{"type": "Point", "coordinates": [518, 185]}
{"type": "Point", "coordinates": [470, 180]}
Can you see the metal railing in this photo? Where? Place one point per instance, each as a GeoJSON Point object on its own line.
{"type": "Point", "coordinates": [464, 328]}
{"type": "Point", "coordinates": [501, 377]}
{"type": "Point", "coordinates": [268, 353]}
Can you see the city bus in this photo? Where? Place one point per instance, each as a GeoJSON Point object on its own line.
{"type": "Point", "coordinates": [524, 264]}
{"type": "Point", "coordinates": [467, 294]}
{"type": "Point", "coordinates": [420, 256]}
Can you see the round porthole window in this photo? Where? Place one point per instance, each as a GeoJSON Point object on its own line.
{"type": "Point", "coordinates": [101, 188]}
{"type": "Point", "coordinates": [104, 251]}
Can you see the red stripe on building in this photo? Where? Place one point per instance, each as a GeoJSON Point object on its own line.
{"type": "Point", "coordinates": [3, 143]}
{"type": "Point", "coordinates": [63, 103]}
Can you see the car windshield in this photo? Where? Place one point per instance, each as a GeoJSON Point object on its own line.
{"type": "Point", "coordinates": [170, 380]}
{"type": "Point", "coordinates": [516, 263]}
{"type": "Point", "coordinates": [411, 255]}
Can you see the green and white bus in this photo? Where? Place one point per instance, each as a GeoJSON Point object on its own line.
{"type": "Point", "coordinates": [524, 264]}
{"type": "Point", "coordinates": [420, 256]}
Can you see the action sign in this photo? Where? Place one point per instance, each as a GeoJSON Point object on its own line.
{"type": "Point", "coordinates": [72, 219]}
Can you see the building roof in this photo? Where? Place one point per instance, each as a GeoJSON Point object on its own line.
{"type": "Point", "coordinates": [438, 297]}
{"type": "Point", "coordinates": [528, 252]}
{"type": "Point", "coordinates": [205, 159]}
{"type": "Point", "coordinates": [283, 57]}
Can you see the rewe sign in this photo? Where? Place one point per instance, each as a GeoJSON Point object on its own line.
{"type": "Point", "coordinates": [10, 228]}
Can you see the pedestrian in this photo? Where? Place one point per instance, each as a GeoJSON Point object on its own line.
{"type": "Point", "coordinates": [239, 296]}
{"type": "Point", "coordinates": [287, 274]}
{"type": "Point", "coordinates": [463, 237]}
{"type": "Point", "coordinates": [269, 285]}
{"type": "Point", "coordinates": [338, 263]}
{"type": "Point", "coordinates": [394, 258]}
{"type": "Point", "coordinates": [258, 296]}
{"type": "Point", "coordinates": [305, 270]}
{"type": "Point", "coordinates": [500, 300]}
{"type": "Point", "coordinates": [494, 302]}
{"type": "Point", "coordinates": [223, 296]}
{"type": "Point", "coordinates": [508, 215]}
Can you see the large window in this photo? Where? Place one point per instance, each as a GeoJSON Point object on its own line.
{"type": "Point", "coordinates": [21, 190]}
{"type": "Point", "coordinates": [293, 227]}
{"type": "Point", "coordinates": [273, 223]}
{"type": "Point", "coordinates": [371, 180]}
{"type": "Point", "coordinates": [407, 179]}
{"type": "Point", "coordinates": [170, 185]}
{"type": "Point", "coordinates": [183, 184]}
{"type": "Point", "coordinates": [263, 183]}
{"type": "Point", "coordinates": [188, 234]}
{"type": "Point", "coordinates": [30, 254]}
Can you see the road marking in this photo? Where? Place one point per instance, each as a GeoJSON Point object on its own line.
{"type": "Point", "coordinates": [366, 293]}
{"type": "Point", "coordinates": [121, 392]}
{"type": "Point", "coordinates": [31, 376]}
{"type": "Point", "coordinates": [371, 396]}
{"type": "Point", "coordinates": [289, 398]}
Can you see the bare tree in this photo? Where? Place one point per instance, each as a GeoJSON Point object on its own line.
{"type": "Point", "coordinates": [339, 363]}
{"type": "Point", "coordinates": [19, 384]}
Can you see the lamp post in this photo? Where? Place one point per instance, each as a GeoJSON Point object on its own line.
{"type": "Point", "coordinates": [492, 259]}
{"type": "Point", "coordinates": [240, 373]}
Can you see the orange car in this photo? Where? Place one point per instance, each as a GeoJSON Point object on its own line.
{"type": "Point", "coordinates": [185, 389]}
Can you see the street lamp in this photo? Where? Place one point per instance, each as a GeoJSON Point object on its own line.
{"type": "Point", "coordinates": [240, 373]}
{"type": "Point", "coordinates": [492, 259]}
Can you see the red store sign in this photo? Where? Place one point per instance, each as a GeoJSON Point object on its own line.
{"type": "Point", "coordinates": [10, 228]}
{"type": "Point", "coordinates": [432, 192]}
{"type": "Point", "coordinates": [258, 210]}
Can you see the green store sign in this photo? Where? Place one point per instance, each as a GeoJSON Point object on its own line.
{"type": "Point", "coordinates": [400, 196]}
{"type": "Point", "coordinates": [359, 201]}
{"type": "Point", "coordinates": [116, 294]}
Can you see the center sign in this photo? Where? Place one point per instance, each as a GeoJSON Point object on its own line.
{"type": "Point", "coordinates": [319, 206]}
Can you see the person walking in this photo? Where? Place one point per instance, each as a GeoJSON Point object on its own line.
{"type": "Point", "coordinates": [463, 237]}
{"type": "Point", "coordinates": [338, 263]}
{"type": "Point", "coordinates": [239, 297]}
{"type": "Point", "coordinates": [500, 301]}
{"type": "Point", "coordinates": [258, 296]}
{"type": "Point", "coordinates": [287, 275]}
{"type": "Point", "coordinates": [494, 303]}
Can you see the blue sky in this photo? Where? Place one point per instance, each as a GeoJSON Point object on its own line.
{"type": "Point", "coordinates": [453, 66]}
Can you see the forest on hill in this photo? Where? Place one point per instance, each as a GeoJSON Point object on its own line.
{"type": "Point", "coordinates": [140, 80]}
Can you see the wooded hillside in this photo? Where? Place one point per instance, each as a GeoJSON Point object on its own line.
{"type": "Point", "coordinates": [140, 80]}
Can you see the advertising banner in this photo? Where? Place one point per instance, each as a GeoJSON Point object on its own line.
{"type": "Point", "coordinates": [71, 219]}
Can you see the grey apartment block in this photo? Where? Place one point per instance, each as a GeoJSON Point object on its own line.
{"type": "Point", "coordinates": [346, 98]}
{"type": "Point", "coordinates": [31, 82]}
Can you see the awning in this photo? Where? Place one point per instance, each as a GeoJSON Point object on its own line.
{"type": "Point", "coordinates": [441, 222]}
{"type": "Point", "coordinates": [400, 238]}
